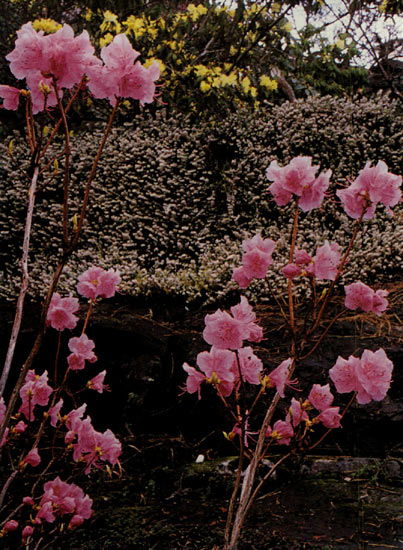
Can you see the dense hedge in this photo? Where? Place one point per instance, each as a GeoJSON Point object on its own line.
{"type": "Point", "coordinates": [172, 200]}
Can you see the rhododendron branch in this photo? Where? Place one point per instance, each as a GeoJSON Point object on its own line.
{"type": "Point", "coordinates": [66, 177]}
{"type": "Point", "coordinates": [329, 326]}
{"type": "Point", "coordinates": [226, 404]}
{"type": "Point", "coordinates": [76, 236]}
{"type": "Point", "coordinates": [283, 313]}
{"type": "Point", "coordinates": [91, 304]}
{"type": "Point", "coordinates": [290, 283]}
{"type": "Point", "coordinates": [338, 273]}
{"type": "Point", "coordinates": [59, 341]}
{"type": "Point", "coordinates": [29, 122]}
{"type": "Point", "coordinates": [331, 429]}
{"type": "Point", "coordinates": [259, 395]}
{"type": "Point", "coordinates": [24, 285]}
{"type": "Point", "coordinates": [235, 491]}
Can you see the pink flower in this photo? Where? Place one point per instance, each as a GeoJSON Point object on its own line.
{"type": "Point", "coordinates": [194, 379]}
{"type": "Point", "coordinates": [282, 432]}
{"type": "Point", "coordinates": [296, 413]}
{"type": "Point", "coordinates": [291, 271]}
{"type": "Point", "coordinates": [279, 376]}
{"type": "Point", "coordinates": [54, 413]}
{"type": "Point", "coordinates": [298, 178]}
{"type": "Point", "coordinates": [302, 257]}
{"type": "Point", "coordinates": [330, 417]}
{"type": "Point", "coordinates": [20, 427]}
{"type": "Point", "coordinates": [250, 366]}
{"type": "Point", "coordinates": [218, 365]}
{"type": "Point", "coordinates": [82, 348]}
{"type": "Point", "coordinates": [10, 96]}
{"type": "Point", "coordinates": [373, 185]}
{"type": "Point", "coordinates": [97, 282]}
{"type": "Point", "coordinates": [343, 374]}
{"type": "Point", "coordinates": [359, 295]}
{"type": "Point", "coordinates": [243, 312]}
{"type": "Point", "coordinates": [320, 397]}
{"type": "Point", "coordinates": [61, 498]}
{"type": "Point", "coordinates": [73, 422]}
{"type": "Point", "coordinates": [28, 501]}
{"type": "Point", "coordinates": [32, 457]}
{"type": "Point", "coordinates": [223, 331]}
{"type": "Point", "coordinates": [93, 446]}
{"type": "Point", "coordinates": [121, 76]}
{"type": "Point", "coordinates": [35, 391]}
{"type": "Point", "coordinates": [27, 532]}
{"type": "Point", "coordinates": [374, 373]}
{"type": "Point", "coordinates": [60, 312]}
{"type": "Point", "coordinates": [97, 383]}
{"type": "Point", "coordinates": [10, 525]}
{"type": "Point", "coordinates": [326, 261]}
{"type": "Point", "coordinates": [239, 275]}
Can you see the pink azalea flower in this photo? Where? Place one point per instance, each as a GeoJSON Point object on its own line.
{"type": "Point", "coordinates": [194, 379]}
{"type": "Point", "coordinates": [10, 525]}
{"type": "Point", "coordinates": [28, 501]}
{"type": "Point", "coordinates": [97, 282]}
{"type": "Point", "coordinates": [82, 348]}
{"type": "Point", "coordinates": [61, 498]}
{"type": "Point", "coordinates": [35, 391]}
{"type": "Point", "coordinates": [330, 417]}
{"type": "Point", "coordinates": [54, 413]}
{"type": "Point", "coordinates": [122, 75]}
{"type": "Point", "coordinates": [373, 185]}
{"type": "Point", "coordinates": [291, 271]}
{"type": "Point", "coordinates": [97, 383]}
{"type": "Point", "coordinates": [32, 457]}
{"type": "Point", "coordinates": [343, 374]}
{"type": "Point", "coordinates": [60, 312]}
{"type": "Point", "coordinates": [73, 422]}
{"type": "Point", "coordinates": [326, 262]}
{"type": "Point", "coordinates": [298, 178]}
{"type": "Point", "coordinates": [218, 365]}
{"type": "Point", "coordinates": [223, 331]}
{"type": "Point", "coordinates": [320, 397]}
{"type": "Point", "coordinates": [93, 446]}
{"type": "Point", "coordinates": [296, 413]}
{"type": "Point", "coordinates": [279, 376]}
{"type": "Point", "coordinates": [20, 427]}
{"type": "Point", "coordinates": [243, 312]}
{"type": "Point", "coordinates": [27, 532]}
{"type": "Point", "coordinates": [250, 366]}
{"type": "Point", "coordinates": [302, 257]}
{"type": "Point", "coordinates": [359, 295]}
{"type": "Point", "coordinates": [239, 275]}
{"type": "Point", "coordinates": [10, 96]}
{"type": "Point", "coordinates": [374, 373]}
{"type": "Point", "coordinates": [282, 432]}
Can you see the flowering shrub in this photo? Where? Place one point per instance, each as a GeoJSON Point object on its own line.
{"type": "Point", "coordinates": [42, 424]}
{"type": "Point", "coordinates": [234, 370]}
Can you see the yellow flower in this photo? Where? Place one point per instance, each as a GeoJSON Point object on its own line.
{"type": "Point", "coordinates": [47, 25]}
{"type": "Point", "coordinates": [201, 70]}
{"type": "Point", "coordinates": [383, 6]}
{"type": "Point", "coordinates": [135, 25]}
{"type": "Point", "coordinates": [205, 86]}
{"type": "Point", "coordinates": [216, 82]}
{"type": "Point", "coordinates": [105, 40]}
{"type": "Point", "coordinates": [151, 60]}
{"type": "Point", "coordinates": [88, 14]}
{"type": "Point", "coordinates": [268, 82]}
{"type": "Point", "coordinates": [161, 23]}
{"type": "Point", "coordinates": [253, 91]}
{"type": "Point", "coordinates": [110, 22]}
{"type": "Point", "coordinates": [196, 11]}
{"type": "Point", "coordinates": [245, 83]}
{"type": "Point", "coordinates": [276, 7]}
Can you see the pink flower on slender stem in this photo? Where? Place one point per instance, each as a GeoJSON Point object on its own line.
{"type": "Point", "coordinates": [54, 413]}
{"type": "Point", "coordinates": [60, 313]}
{"type": "Point", "coordinates": [282, 432]}
{"type": "Point", "coordinates": [61, 498]}
{"type": "Point", "coordinates": [10, 96]}
{"type": "Point", "coordinates": [94, 447]}
{"type": "Point", "coordinates": [35, 391]}
{"type": "Point", "coordinates": [20, 427]}
{"type": "Point", "coordinates": [250, 366]}
{"type": "Point", "coordinates": [121, 75]}
{"type": "Point", "coordinates": [326, 261]}
{"type": "Point", "coordinates": [298, 178]}
{"type": "Point", "coordinates": [279, 376]}
{"type": "Point", "coordinates": [81, 348]}
{"type": "Point", "coordinates": [359, 295]}
{"type": "Point", "coordinates": [373, 185]}
{"type": "Point", "coordinates": [219, 366]}
{"type": "Point", "coordinates": [244, 314]}
{"type": "Point", "coordinates": [10, 525]}
{"type": "Point", "coordinates": [97, 282]}
{"type": "Point", "coordinates": [194, 380]}
{"type": "Point", "coordinates": [32, 457]}
{"type": "Point", "coordinates": [255, 261]}
{"type": "Point", "coordinates": [291, 271]}
{"type": "Point", "coordinates": [97, 383]}
{"type": "Point", "coordinates": [320, 397]}
{"type": "Point", "coordinates": [27, 532]}
{"type": "Point", "coordinates": [330, 417]}
{"type": "Point", "coordinates": [296, 413]}
{"type": "Point", "coordinates": [374, 373]}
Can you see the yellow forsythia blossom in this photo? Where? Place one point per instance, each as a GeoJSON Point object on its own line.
{"type": "Point", "coordinates": [205, 86]}
{"type": "Point", "coordinates": [110, 22]}
{"type": "Point", "coordinates": [196, 11]}
{"type": "Point", "coordinates": [253, 91]}
{"type": "Point", "coordinates": [88, 14]}
{"type": "Point", "coordinates": [151, 60]}
{"type": "Point", "coordinates": [245, 83]}
{"type": "Point", "coordinates": [105, 40]}
{"type": "Point", "coordinates": [268, 82]}
{"type": "Point", "coordinates": [47, 25]}
{"type": "Point", "coordinates": [201, 70]}
{"type": "Point", "coordinates": [135, 25]}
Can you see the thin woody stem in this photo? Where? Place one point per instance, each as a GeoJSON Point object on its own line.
{"type": "Point", "coordinates": [92, 302]}
{"type": "Point", "coordinates": [332, 322]}
{"type": "Point", "coordinates": [290, 284]}
{"type": "Point", "coordinates": [235, 491]}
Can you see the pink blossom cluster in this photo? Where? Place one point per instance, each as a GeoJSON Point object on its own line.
{"type": "Point", "coordinates": [323, 266]}
{"type": "Point", "coordinates": [61, 312]}
{"type": "Point", "coordinates": [373, 185]}
{"type": "Point", "coordinates": [359, 295]}
{"type": "Point", "coordinates": [321, 398]}
{"type": "Point", "coordinates": [369, 376]}
{"type": "Point", "coordinates": [82, 350]}
{"type": "Point", "coordinates": [61, 498]}
{"type": "Point", "coordinates": [62, 59]}
{"type": "Point", "coordinates": [225, 331]}
{"type": "Point", "coordinates": [90, 446]}
{"type": "Point", "coordinates": [256, 259]}
{"type": "Point", "coordinates": [96, 282]}
{"type": "Point", "coordinates": [298, 178]}
{"type": "Point", "coordinates": [35, 391]}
